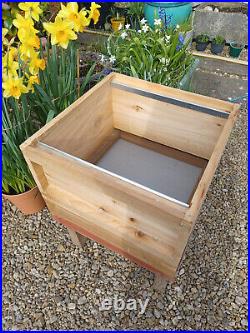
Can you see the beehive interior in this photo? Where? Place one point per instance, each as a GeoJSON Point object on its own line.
{"type": "Point", "coordinates": [158, 145]}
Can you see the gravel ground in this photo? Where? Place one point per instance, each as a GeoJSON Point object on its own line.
{"type": "Point", "coordinates": [48, 283]}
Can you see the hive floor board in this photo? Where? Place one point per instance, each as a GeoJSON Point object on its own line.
{"type": "Point", "coordinates": [161, 173]}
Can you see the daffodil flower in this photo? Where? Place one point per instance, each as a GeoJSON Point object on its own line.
{"type": "Point", "coordinates": [70, 12]}
{"type": "Point", "coordinates": [31, 81]}
{"type": "Point", "coordinates": [29, 41]}
{"type": "Point", "coordinates": [61, 32]}
{"type": "Point", "coordinates": [4, 39]}
{"type": "Point", "coordinates": [14, 87]}
{"type": "Point", "coordinates": [94, 13]}
{"type": "Point", "coordinates": [24, 25]}
{"type": "Point", "coordinates": [36, 64]}
{"type": "Point", "coordinates": [31, 9]}
{"type": "Point", "coordinates": [10, 66]}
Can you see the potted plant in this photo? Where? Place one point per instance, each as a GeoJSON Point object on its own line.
{"type": "Point", "coordinates": [36, 87]}
{"type": "Point", "coordinates": [202, 42]}
{"type": "Point", "coordinates": [156, 55]}
{"type": "Point", "coordinates": [217, 44]}
{"type": "Point", "coordinates": [117, 21]}
{"type": "Point", "coordinates": [18, 185]}
{"type": "Point", "coordinates": [235, 49]}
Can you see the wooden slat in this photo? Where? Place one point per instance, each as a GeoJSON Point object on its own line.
{"type": "Point", "coordinates": [208, 173]}
{"type": "Point", "coordinates": [153, 252]}
{"type": "Point", "coordinates": [62, 118]}
{"type": "Point", "coordinates": [165, 150]}
{"type": "Point", "coordinates": [183, 129]}
{"type": "Point", "coordinates": [79, 229]}
{"type": "Point", "coordinates": [39, 155]}
{"type": "Point", "coordinates": [103, 146]}
{"type": "Point", "coordinates": [217, 57]}
{"type": "Point", "coordinates": [173, 92]}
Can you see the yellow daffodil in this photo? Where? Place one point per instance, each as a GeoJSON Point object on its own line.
{"type": "Point", "coordinates": [4, 39]}
{"type": "Point", "coordinates": [31, 81]}
{"type": "Point", "coordinates": [29, 41]}
{"type": "Point", "coordinates": [31, 9]}
{"type": "Point", "coordinates": [13, 53]}
{"type": "Point", "coordinates": [94, 13]}
{"type": "Point", "coordinates": [85, 21]}
{"type": "Point", "coordinates": [70, 12]}
{"type": "Point", "coordinates": [23, 23]}
{"type": "Point", "coordinates": [61, 32]}
{"type": "Point", "coordinates": [10, 66]}
{"type": "Point", "coordinates": [14, 87]}
{"type": "Point", "coordinates": [36, 63]}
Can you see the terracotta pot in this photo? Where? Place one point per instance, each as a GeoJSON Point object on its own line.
{"type": "Point", "coordinates": [116, 23]}
{"type": "Point", "coordinates": [29, 202]}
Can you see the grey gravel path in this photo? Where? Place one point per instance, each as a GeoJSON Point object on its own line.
{"type": "Point", "coordinates": [50, 284]}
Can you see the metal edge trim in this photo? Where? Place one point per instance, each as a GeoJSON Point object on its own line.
{"type": "Point", "coordinates": [171, 100]}
{"type": "Point", "coordinates": [85, 163]}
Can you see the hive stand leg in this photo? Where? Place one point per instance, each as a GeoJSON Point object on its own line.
{"type": "Point", "coordinates": [77, 238]}
{"type": "Point", "coordinates": [160, 283]}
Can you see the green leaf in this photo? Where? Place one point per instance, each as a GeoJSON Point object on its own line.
{"type": "Point", "coordinates": [50, 116]}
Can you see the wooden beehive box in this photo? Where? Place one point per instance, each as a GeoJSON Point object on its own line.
{"type": "Point", "coordinates": [129, 164]}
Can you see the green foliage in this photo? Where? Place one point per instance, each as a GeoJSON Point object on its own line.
{"type": "Point", "coordinates": [136, 9]}
{"type": "Point", "coordinates": [203, 38]}
{"type": "Point", "coordinates": [9, 10]}
{"type": "Point", "coordinates": [115, 13]}
{"type": "Point", "coordinates": [58, 89]}
{"type": "Point", "coordinates": [218, 40]}
{"type": "Point", "coordinates": [187, 25]}
{"type": "Point", "coordinates": [59, 85]}
{"type": "Point", "coordinates": [157, 55]}
{"type": "Point", "coordinates": [16, 128]}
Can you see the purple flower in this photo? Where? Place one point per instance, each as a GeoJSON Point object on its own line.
{"type": "Point", "coordinates": [181, 42]}
{"type": "Point", "coordinates": [106, 71]}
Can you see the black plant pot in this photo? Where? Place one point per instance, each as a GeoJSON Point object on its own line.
{"type": "Point", "coordinates": [217, 48]}
{"type": "Point", "coordinates": [201, 46]}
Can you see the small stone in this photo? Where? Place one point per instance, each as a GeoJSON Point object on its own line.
{"type": "Point", "coordinates": [61, 248]}
{"type": "Point", "coordinates": [157, 314]}
{"type": "Point", "coordinates": [175, 320]}
{"type": "Point", "coordinates": [182, 271]}
{"type": "Point", "coordinates": [71, 306]}
{"type": "Point", "coordinates": [208, 8]}
{"type": "Point", "coordinates": [53, 319]}
{"type": "Point", "coordinates": [244, 322]}
{"type": "Point", "coordinates": [82, 300]}
{"type": "Point", "coordinates": [240, 300]}
{"type": "Point", "coordinates": [71, 285]}
{"type": "Point", "coordinates": [160, 306]}
{"type": "Point", "coordinates": [110, 273]}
